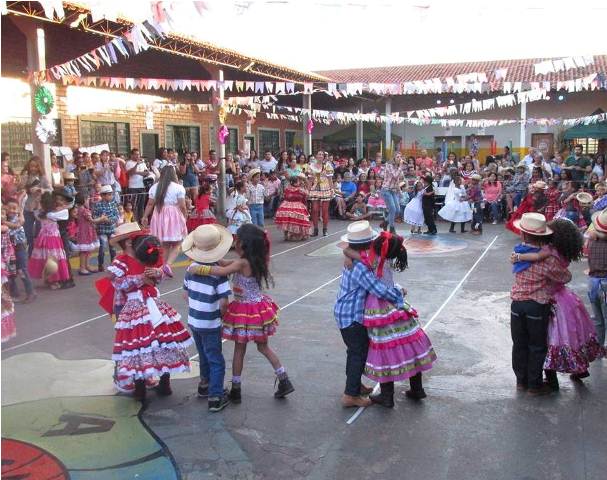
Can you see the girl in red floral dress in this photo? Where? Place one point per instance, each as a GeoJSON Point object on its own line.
{"type": "Point", "coordinates": [202, 214]}
{"type": "Point", "coordinates": [292, 216]}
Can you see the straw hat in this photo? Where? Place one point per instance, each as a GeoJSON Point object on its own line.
{"type": "Point", "coordinates": [521, 164]}
{"type": "Point", "coordinates": [51, 267]}
{"type": "Point", "coordinates": [69, 176]}
{"type": "Point", "coordinates": [585, 199]}
{"type": "Point", "coordinates": [476, 177]}
{"type": "Point", "coordinates": [106, 189]}
{"type": "Point", "coordinates": [253, 172]}
{"type": "Point", "coordinates": [208, 243]}
{"type": "Point", "coordinates": [599, 221]}
{"type": "Point", "coordinates": [533, 224]}
{"type": "Point", "coordinates": [540, 185]}
{"type": "Point", "coordinates": [125, 230]}
{"type": "Point", "coordinates": [360, 232]}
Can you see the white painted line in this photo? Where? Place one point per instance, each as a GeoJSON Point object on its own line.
{"type": "Point", "coordinates": [360, 410]}
{"type": "Point", "coordinates": [307, 243]}
{"type": "Point", "coordinates": [310, 293]}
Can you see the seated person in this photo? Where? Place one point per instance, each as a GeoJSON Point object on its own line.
{"type": "Point", "coordinates": [358, 210]}
{"type": "Point", "coordinates": [346, 195]}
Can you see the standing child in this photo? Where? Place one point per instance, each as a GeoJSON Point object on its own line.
{"type": "Point", "coordinates": [398, 346]}
{"type": "Point", "coordinates": [14, 222]}
{"type": "Point", "coordinates": [403, 199]}
{"type": "Point", "coordinates": [456, 208]}
{"type": "Point", "coordinates": [105, 217]}
{"type": "Point", "coordinates": [208, 302]}
{"type": "Point", "coordinates": [8, 329]}
{"type": "Point", "coordinates": [150, 340]}
{"type": "Point", "coordinates": [414, 214]}
{"type": "Point", "coordinates": [428, 205]}
{"type": "Point", "coordinates": [251, 316]}
{"type": "Point", "coordinates": [475, 195]}
{"type": "Point", "coordinates": [128, 212]}
{"type": "Point", "coordinates": [202, 214]}
{"type": "Point", "coordinates": [237, 209]}
{"type": "Point", "coordinates": [292, 216]}
{"type": "Point", "coordinates": [49, 246]}
{"type": "Point", "coordinates": [86, 237]}
{"type": "Point", "coordinates": [572, 341]}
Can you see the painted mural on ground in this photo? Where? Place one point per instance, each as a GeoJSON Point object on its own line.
{"type": "Point", "coordinates": [62, 420]}
{"type": "Point", "coordinates": [416, 245]}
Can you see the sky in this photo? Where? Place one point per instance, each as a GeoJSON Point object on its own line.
{"type": "Point", "coordinates": [314, 35]}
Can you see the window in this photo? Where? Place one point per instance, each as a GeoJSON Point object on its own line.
{"type": "Point", "coordinates": [182, 138]}
{"type": "Point", "coordinates": [116, 134]}
{"type": "Point", "coordinates": [290, 139]}
{"type": "Point", "coordinates": [16, 135]}
{"type": "Point", "coordinates": [232, 146]}
{"type": "Point", "coordinates": [269, 140]}
{"type": "Point", "coordinates": [591, 145]}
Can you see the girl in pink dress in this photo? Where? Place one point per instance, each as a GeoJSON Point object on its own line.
{"type": "Point", "coordinates": [572, 342]}
{"type": "Point", "coordinates": [86, 235]}
{"type": "Point", "coordinates": [49, 246]}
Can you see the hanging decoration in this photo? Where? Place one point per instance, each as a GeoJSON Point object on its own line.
{"type": "Point", "coordinates": [563, 64]}
{"type": "Point", "coordinates": [43, 100]}
{"type": "Point", "coordinates": [46, 130]}
{"type": "Point", "coordinates": [222, 115]}
{"type": "Point", "coordinates": [309, 127]}
{"type": "Point", "coordinates": [222, 134]}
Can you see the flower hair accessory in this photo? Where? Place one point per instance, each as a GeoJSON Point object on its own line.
{"type": "Point", "coordinates": [386, 236]}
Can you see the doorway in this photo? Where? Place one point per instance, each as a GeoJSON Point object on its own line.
{"type": "Point", "coordinates": [149, 145]}
{"type": "Point", "coordinates": [544, 142]}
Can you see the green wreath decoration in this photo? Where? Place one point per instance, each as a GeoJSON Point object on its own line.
{"type": "Point", "coordinates": [43, 99]}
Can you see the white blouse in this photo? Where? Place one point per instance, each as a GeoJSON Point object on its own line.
{"type": "Point", "coordinates": [174, 193]}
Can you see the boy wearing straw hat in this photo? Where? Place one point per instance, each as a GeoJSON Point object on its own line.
{"type": "Point", "coordinates": [256, 196]}
{"type": "Point", "coordinates": [208, 301]}
{"type": "Point", "coordinates": [597, 272]}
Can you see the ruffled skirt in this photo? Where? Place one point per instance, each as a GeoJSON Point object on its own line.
{"type": "Point", "coordinates": [142, 350]}
{"type": "Point", "coordinates": [456, 212]}
{"type": "Point", "coordinates": [572, 342]}
{"type": "Point", "coordinates": [8, 328]}
{"type": "Point", "coordinates": [250, 321]}
{"type": "Point", "coordinates": [47, 245]}
{"type": "Point", "coordinates": [293, 217]}
{"type": "Point", "coordinates": [168, 224]}
{"type": "Point", "coordinates": [205, 217]}
{"type": "Point", "coordinates": [414, 215]}
{"type": "Point", "coordinates": [398, 346]}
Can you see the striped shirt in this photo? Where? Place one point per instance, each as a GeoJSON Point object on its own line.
{"type": "Point", "coordinates": [204, 294]}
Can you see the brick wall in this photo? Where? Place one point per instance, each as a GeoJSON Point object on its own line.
{"type": "Point", "coordinates": [136, 120]}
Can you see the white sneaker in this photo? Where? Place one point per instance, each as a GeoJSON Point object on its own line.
{"type": "Point", "coordinates": [494, 222]}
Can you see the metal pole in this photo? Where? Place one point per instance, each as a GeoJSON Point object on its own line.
{"type": "Point", "coordinates": [523, 139]}
{"type": "Point", "coordinates": [388, 142]}
{"type": "Point", "coordinates": [36, 61]}
{"type": "Point", "coordinates": [221, 193]}
{"type": "Point", "coordinates": [307, 115]}
{"type": "Point", "coordinates": [359, 136]}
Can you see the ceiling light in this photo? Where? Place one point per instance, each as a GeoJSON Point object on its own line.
{"type": "Point", "coordinates": [438, 102]}
{"type": "Point", "coordinates": [451, 101]}
{"type": "Point", "coordinates": [561, 98]}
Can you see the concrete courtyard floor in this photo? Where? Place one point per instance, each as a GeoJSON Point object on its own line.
{"type": "Point", "coordinates": [60, 415]}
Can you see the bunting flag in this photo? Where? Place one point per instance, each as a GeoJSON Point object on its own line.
{"type": "Point", "coordinates": [563, 64]}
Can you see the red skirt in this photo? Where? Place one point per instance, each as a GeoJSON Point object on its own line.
{"type": "Point", "coordinates": [206, 217]}
{"type": "Point", "coordinates": [248, 321]}
{"type": "Point", "coordinates": [293, 217]}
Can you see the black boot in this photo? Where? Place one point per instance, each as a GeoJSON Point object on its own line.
{"type": "Point", "coordinates": [164, 386]}
{"type": "Point", "coordinates": [324, 232]}
{"type": "Point", "coordinates": [452, 228]}
{"type": "Point", "coordinates": [417, 391]}
{"type": "Point", "coordinates": [284, 387]}
{"type": "Point", "coordinates": [139, 393]}
{"type": "Point", "coordinates": [235, 393]}
{"type": "Point", "coordinates": [315, 234]}
{"type": "Point", "coordinates": [552, 379]}
{"type": "Point", "coordinates": [392, 230]}
{"type": "Point", "coordinates": [386, 396]}
{"type": "Point", "coordinates": [463, 227]}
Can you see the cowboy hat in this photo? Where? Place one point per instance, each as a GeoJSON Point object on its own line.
{"type": "Point", "coordinates": [476, 177]}
{"type": "Point", "coordinates": [360, 232]}
{"type": "Point", "coordinates": [584, 198]}
{"type": "Point", "coordinates": [533, 224]}
{"type": "Point", "coordinates": [599, 221]}
{"type": "Point", "coordinates": [51, 267]}
{"type": "Point", "coordinates": [69, 176]}
{"type": "Point", "coordinates": [106, 189]}
{"type": "Point", "coordinates": [540, 185]}
{"type": "Point", "coordinates": [126, 230]}
{"type": "Point", "coordinates": [207, 243]}
{"type": "Point", "coordinates": [253, 172]}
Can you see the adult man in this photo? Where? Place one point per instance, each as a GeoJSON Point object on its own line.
{"type": "Point", "coordinates": [104, 170]}
{"type": "Point", "coordinates": [268, 163]}
{"type": "Point", "coordinates": [346, 196]}
{"type": "Point", "coordinates": [355, 284]}
{"type": "Point", "coordinates": [539, 162]}
{"type": "Point", "coordinates": [272, 194]}
{"type": "Point", "coordinates": [424, 161]}
{"type": "Point", "coordinates": [528, 159]}
{"type": "Point", "coordinates": [597, 271]}
{"type": "Point", "coordinates": [518, 188]}
{"type": "Point", "coordinates": [530, 310]}
{"type": "Point", "coordinates": [136, 171]}
{"type": "Point", "coordinates": [578, 164]}
{"type": "Point", "coordinates": [256, 197]}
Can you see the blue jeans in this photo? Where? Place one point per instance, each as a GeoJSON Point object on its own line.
{"type": "Point", "coordinates": [21, 264]}
{"type": "Point", "coordinates": [104, 241]}
{"type": "Point", "coordinates": [212, 363]}
{"type": "Point", "coordinates": [495, 210]}
{"type": "Point", "coordinates": [599, 308]}
{"type": "Point", "coordinates": [517, 198]}
{"type": "Point", "coordinates": [256, 210]}
{"type": "Point", "coordinates": [392, 201]}
{"type": "Point", "coordinates": [477, 216]}
{"type": "Point", "coordinates": [29, 226]}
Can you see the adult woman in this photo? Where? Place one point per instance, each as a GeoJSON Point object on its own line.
{"type": "Point", "coordinates": [451, 162]}
{"type": "Point", "coordinates": [189, 175]}
{"type": "Point", "coordinates": [283, 161]}
{"type": "Point", "coordinates": [598, 166]}
{"type": "Point", "coordinates": [363, 167]}
{"type": "Point", "coordinates": [302, 163]}
{"type": "Point", "coordinates": [86, 176]}
{"type": "Point", "coordinates": [253, 161]}
{"type": "Point", "coordinates": [34, 182]}
{"type": "Point", "coordinates": [492, 191]}
{"type": "Point", "coordinates": [167, 200]}
{"type": "Point", "coordinates": [321, 192]}
{"type": "Point", "coordinates": [56, 172]}
{"type": "Point", "coordinates": [390, 190]}
{"type": "Point", "coordinates": [293, 170]}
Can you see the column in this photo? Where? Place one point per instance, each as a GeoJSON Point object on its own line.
{"type": "Point", "coordinates": [360, 152]}
{"type": "Point", "coordinates": [218, 97]}
{"type": "Point", "coordinates": [307, 115]}
{"type": "Point", "coordinates": [388, 141]}
{"type": "Point", "coordinates": [523, 139]}
{"type": "Point", "coordinates": [36, 61]}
